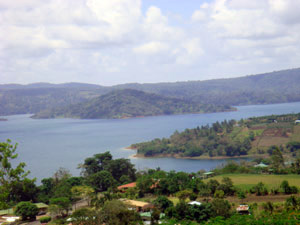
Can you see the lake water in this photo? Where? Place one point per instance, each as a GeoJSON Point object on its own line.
{"type": "Point", "coordinates": [46, 145]}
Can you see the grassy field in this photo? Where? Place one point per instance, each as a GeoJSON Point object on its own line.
{"type": "Point", "coordinates": [246, 181]}
{"type": "Point", "coordinates": [296, 134]}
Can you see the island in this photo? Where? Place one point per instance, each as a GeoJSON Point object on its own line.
{"type": "Point", "coordinates": [256, 136]}
{"type": "Point", "coordinates": [2, 119]}
{"type": "Point", "coordinates": [128, 103]}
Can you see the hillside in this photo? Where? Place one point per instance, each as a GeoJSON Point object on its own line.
{"type": "Point", "coordinates": [129, 103]}
{"type": "Point", "coordinates": [275, 87]}
{"type": "Point", "coordinates": [253, 136]}
{"type": "Point", "coordinates": [30, 100]}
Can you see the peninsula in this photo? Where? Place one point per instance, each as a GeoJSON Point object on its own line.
{"type": "Point", "coordinates": [129, 103]}
{"type": "Point", "coordinates": [249, 137]}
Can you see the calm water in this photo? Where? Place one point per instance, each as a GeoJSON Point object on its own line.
{"type": "Point", "coordinates": [46, 145]}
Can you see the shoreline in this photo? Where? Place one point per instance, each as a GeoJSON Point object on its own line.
{"type": "Point", "coordinates": [234, 109]}
{"type": "Point", "coordinates": [141, 156]}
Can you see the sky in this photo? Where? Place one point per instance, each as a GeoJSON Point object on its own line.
{"type": "Point", "coordinates": [110, 42]}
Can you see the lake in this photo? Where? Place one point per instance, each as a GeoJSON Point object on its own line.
{"type": "Point", "coordinates": [46, 145]}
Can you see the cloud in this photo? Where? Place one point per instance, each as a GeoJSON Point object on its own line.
{"type": "Point", "coordinates": [118, 41]}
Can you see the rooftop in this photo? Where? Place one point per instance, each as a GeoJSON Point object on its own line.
{"type": "Point", "coordinates": [136, 203]}
{"type": "Point", "coordinates": [130, 185]}
{"type": "Point", "coordinates": [194, 203]}
{"type": "Point", "coordinates": [242, 208]}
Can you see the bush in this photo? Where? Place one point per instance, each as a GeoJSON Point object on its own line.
{"type": "Point", "coordinates": [193, 197]}
{"type": "Point", "coordinates": [26, 210]}
{"type": "Point", "coordinates": [259, 189]}
{"type": "Point", "coordinates": [162, 202]}
{"type": "Point", "coordinates": [45, 219]}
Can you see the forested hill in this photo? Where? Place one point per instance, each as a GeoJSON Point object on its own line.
{"type": "Point", "coordinates": [229, 138]}
{"type": "Point", "coordinates": [275, 87]}
{"type": "Point", "coordinates": [19, 99]}
{"type": "Point", "coordinates": [129, 103]}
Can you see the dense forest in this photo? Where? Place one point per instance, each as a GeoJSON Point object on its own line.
{"type": "Point", "coordinates": [130, 103]}
{"type": "Point", "coordinates": [275, 87]}
{"type": "Point", "coordinates": [228, 138]}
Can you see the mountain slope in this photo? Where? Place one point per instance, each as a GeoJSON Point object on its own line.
{"type": "Point", "coordinates": [32, 100]}
{"type": "Point", "coordinates": [129, 103]}
{"type": "Point", "coordinates": [275, 87]}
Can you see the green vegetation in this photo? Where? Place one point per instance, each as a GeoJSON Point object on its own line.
{"type": "Point", "coordinates": [247, 181]}
{"type": "Point", "coordinates": [14, 184]}
{"type": "Point", "coordinates": [26, 210]}
{"type": "Point", "coordinates": [253, 136]}
{"type": "Point", "coordinates": [130, 103]}
{"type": "Point", "coordinates": [275, 87]}
{"type": "Point", "coordinates": [273, 199]}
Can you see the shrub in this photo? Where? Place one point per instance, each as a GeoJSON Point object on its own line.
{"type": "Point", "coordinates": [162, 202]}
{"type": "Point", "coordinates": [26, 210]}
{"type": "Point", "coordinates": [259, 189]}
{"type": "Point", "coordinates": [193, 197]}
{"type": "Point", "coordinates": [45, 219]}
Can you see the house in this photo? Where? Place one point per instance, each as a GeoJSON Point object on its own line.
{"type": "Point", "coordinates": [195, 203]}
{"type": "Point", "coordinates": [243, 210]}
{"type": "Point", "coordinates": [124, 187]}
{"type": "Point", "coordinates": [146, 217]}
{"type": "Point", "coordinates": [6, 212]}
{"type": "Point", "coordinates": [43, 208]}
{"type": "Point", "coordinates": [8, 219]}
{"type": "Point", "coordinates": [208, 174]}
{"type": "Point", "coordinates": [261, 165]}
{"type": "Point", "coordinates": [10, 212]}
{"type": "Point", "coordinates": [137, 205]}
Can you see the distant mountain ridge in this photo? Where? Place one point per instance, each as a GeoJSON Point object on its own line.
{"type": "Point", "coordinates": [129, 103]}
{"type": "Point", "coordinates": [275, 87]}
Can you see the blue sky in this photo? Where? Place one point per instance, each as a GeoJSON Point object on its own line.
{"type": "Point", "coordinates": [185, 8]}
{"type": "Point", "coordinates": [111, 42]}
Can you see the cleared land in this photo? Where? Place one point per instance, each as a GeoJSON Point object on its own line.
{"type": "Point", "coordinates": [247, 181]}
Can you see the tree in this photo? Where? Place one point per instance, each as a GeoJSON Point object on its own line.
{"type": "Point", "coordinates": [277, 158]}
{"type": "Point", "coordinates": [95, 164]}
{"type": "Point", "coordinates": [82, 192]}
{"type": "Point", "coordinates": [26, 210]}
{"type": "Point", "coordinates": [212, 185]}
{"type": "Point", "coordinates": [12, 179]}
{"type": "Point", "coordinates": [285, 187]}
{"type": "Point", "coordinates": [292, 203]}
{"type": "Point", "coordinates": [221, 207]}
{"type": "Point", "coordinates": [61, 174]}
{"type": "Point", "coordinates": [85, 216]}
{"type": "Point", "coordinates": [115, 212]}
{"type": "Point", "coordinates": [60, 206]}
{"type": "Point", "coordinates": [120, 167]}
{"type": "Point", "coordinates": [184, 194]}
{"type": "Point", "coordinates": [259, 189]}
{"type": "Point", "coordinates": [162, 202]}
{"type": "Point", "coordinates": [268, 207]}
{"type": "Point", "coordinates": [155, 216]}
{"type": "Point", "coordinates": [241, 195]}
{"type": "Point", "coordinates": [101, 181]}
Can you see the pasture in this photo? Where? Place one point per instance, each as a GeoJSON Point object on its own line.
{"type": "Point", "coordinates": [247, 181]}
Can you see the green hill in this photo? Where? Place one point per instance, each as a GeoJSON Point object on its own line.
{"type": "Point", "coordinates": [253, 136]}
{"type": "Point", "coordinates": [275, 87]}
{"type": "Point", "coordinates": [129, 103]}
